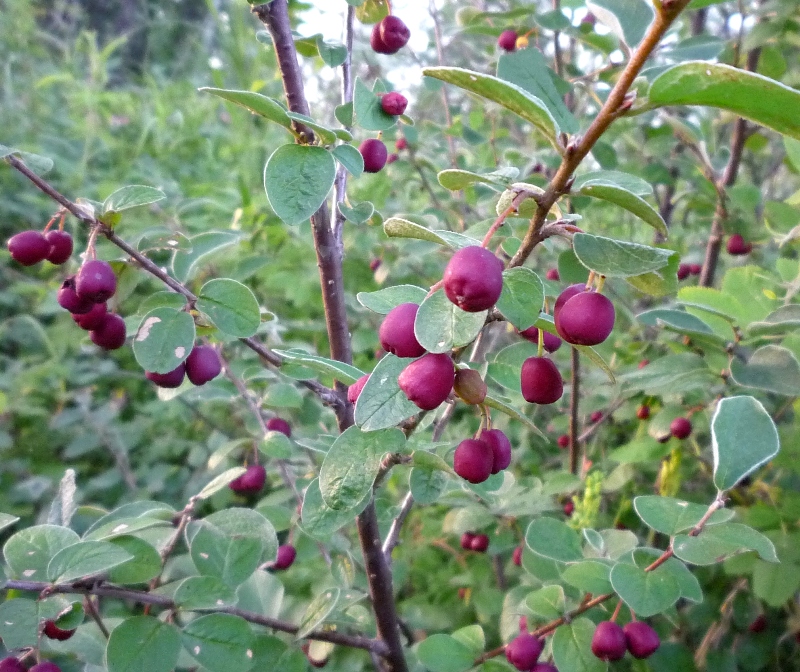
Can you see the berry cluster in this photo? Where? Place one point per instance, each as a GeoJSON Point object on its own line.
{"type": "Point", "coordinates": [31, 247]}
{"type": "Point", "coordinates": [477, 459]}
{"type": "Point", "coordinates": [201, 366]}
{"type": "Point", "coordinates": [470, 541]}
{"type": "Point", "coordinates": [252, 481]}
{"type": "Point", "coordinates": [610, 641]}
{"type": "Point", "coordinates": [685, 270]}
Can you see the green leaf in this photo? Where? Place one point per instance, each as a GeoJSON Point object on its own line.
{"type": "Point", "coordinates": [590, 576]}
{"type": "Point", "coordinates": [715, 544]}
{"type": "Point", "coordinates": [628, 201]}
{"type": "Point", "coordinates": [676, 320]}
{"type": "Point", "coordinates": [784, 319]}
{"type": "Point", "coordinates": [261, 593]}
{"type": "Point", "coordinates": [662, 282]}
{"type": "Point", "coordinates": [219, 482]}
{"type": "Point", "coordinates": [775, 584]}
{"type": "Point", "coordinates": [297, 179]}
{"type": "Point", "coordinates": [430, 460]}
{"type": "Point", "coordinates": [333, 53]}
{"type": "Point", "coordinates": [282, 395]}
{"type": "Point", "coordinates": [126, 514]}
{"type": "Point", "coordinates": [572, 647]}
{"type": "Point", "coordinates": [609, 544]}
{"type": "Point", "coordinates": [229, 558]}
{"type": "Point", "coordinates": [426, 485]}
{"type": "Point", "coordinates": [670, 374]}
{"type": "Point", "coordinates": [647, 593]}
{"type": "Point", "coordinates": [395, 227]}
{"type": "Point", "coordinates": [317, 611]}
{"type": "Point", "coordinates": [324, 134]}
{"type": "Point", "coordinates": [352, 160]}
{"type": "Point", "coordinates": [204, 592]}
{"type": "Point", "coordinates": [357, 213]}
{"type": "Point", "coordinates": [456, 179]}
{"type": "Point", "coordinates": [509, 96]}
{"type": "Point", "coordinates": [613, 178]}
{"type": "Point", "coordinates": [184, 264]}
{"type": "Point", "coordinates": [19, 623]}
{"type": "Point", "coordinates": [522, 298]}
{"type": "Point", "coordinates": [353, 462]}
{"type": "Point", "coordinates": [143, 644]}
{"type": "Point", "coordinates": [164, 339]}
{"type": "Point", "coordinates": [441, 325]}
{"type": "Point", "coordinates": [367, 110]}
{"type": "Point", "coordinates": [84, 559]}
{"type": "Point", "coordinates": [255, 103]}
{"type": "Point", "coordinates": [743, 437]}
{"type": "Point", "coordinates": [132, 196]}
{"type": "Point", "coordinates": [547, 603]}
{"type": "Point", "coordinates": [382, 403]}
{"type": "Point", "coordinates": [231, 306]}
{"type": "Point", "coordinates": [443, 653]}
{"type": "Point", "coordinates": [618, 259]}
{"type": "Point", "coordinates": [528, 69]}
{"type": "Point", "coordinates": [554, 540]}
{"type": "Point", "coordinates": [7, 520]}
{"type": "Point", "coordinates": [28, 552]}
{"type": "Point", "coordinates": [627, 19]}
{"type": "Point", "coordinates": [507, 363]}
{"type": "Point", "coordinates": [37, 163]}
{"type": "Point", "coordinates": [220, 642]}
{"type": "Point", "coordinates": [744, 93]}
{"type": "Point", "coordinates": [670, 516]}
{"type": "Point", "coordinates": [770, 368]}
{"type": "Point", "coordinates": [493, 401]}
{"type": "Point", "coordinates": [370, 11]}
{"type": "Point", "coordinates": [384, 300]}
{"type": "Point", "coordinates": [344, 114]}
{"type": "Point", "coordinates": [144, 565]}
{"type": "Point", "coordinates": [344, 373]}
{"type": "Point", "coordinates": [319, 519]}
{"type": "Point", "coordinates": [471, 636]}
{"type": "Point", "coordinates": [711, 301]}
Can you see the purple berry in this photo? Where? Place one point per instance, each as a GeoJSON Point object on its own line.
{"type": "Point", "coordinates": [540, 381]}
{"type": "Point", "coordinates": [45, 666]}
{"type": "Point", "coordinates": [568, 508]}
{"type": "Point", "coordinates": [96, 281]}
{"type": "Point", "coordinates": [516, 558]}
{"type": "Point", "coordinates": [466, 540]}
{"type": "Point", "coordinates": [427, 381]}
{"type": "Point", "coordinates": [202, 364]}
{"type": "Point", "coordinates": [392, 158]}
{"type": "Point", "coordinates": [170, 379]}
{"type": "Point", "coordinates": [586, 319]}
{"type": "Point", "coordinates": [60, 246]}
{"type": "Point", "coordinates": [563, 441]}
{"type": "Point", "coordinates": [642, 640]}
{"type": "Point", "coordinates": [680, 428]}
{"type": "Point", "coordinates": [473, 279]}
{"type": "Point", "coordinates": [473, 460]}
{"type": "Point", "coordinates": [68, 298]}
{"type": "Point", "coordinates": [643, 412]}
{"type": "Point", "coordinates": [507, 40]}
{"type": "Point", "coordinates": [737, 246]}
{"type": "Point", "coordinates": [551, 341]}
{"type": "Point", "coordinates": [401, 144]}
{"type": "Point", "coordinates": [479, 543]}
{"type": "Point", "coordinates": [374, 153]}
{"type": "Point", "coordinates": [596, 417]}
{"type": "Point", "coordinates": [12, 664]}
{"type": "Point", "coordinates": [279, 425]}
{"type": "Point", "coordinates": [695, 269]}
{"type": "Point", "coordinates": [608, 641]}
{"type": "Point", "coordinates": [52, 631]}
{"type": "Point", "coordinates": [523, 651]}
{"type": "Point", "coordinates": [28, 247]}
{"type": "Point", "coordinates": [251, 481]}
{"type": "Point", "coordinates": [394, 103]}
{"type": "Point", "coordinates": [286, 556]}
{"type": "Point", "coordinates": [565, 296]}
{"type": "Point", "coordinates": [552, 274]}
{"type": "Point", "coordinates": [759, 624]}
{"type": "Point", "coordinates": [354, 391]}
{"type": "Point", "coordinates": [683, 271]}
{"type": "Point", "coordinates": [110, 335]}
{"type": "Point", "coordinates": [396, 332]}
{"type": "Point", "coordinates": [501, 448]}
{"type": "Point", "coordinates": [544, 667]}
{"type": "Point", "coordinates": [93, 319]}
{"type": "Point", "coordinates": [389, 35]}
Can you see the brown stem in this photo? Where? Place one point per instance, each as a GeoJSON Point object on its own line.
{"type": "Point", "coordinates": [574, 400]}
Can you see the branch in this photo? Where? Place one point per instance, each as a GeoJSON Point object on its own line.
{"type": "Point", "coordinates": [393, 537]}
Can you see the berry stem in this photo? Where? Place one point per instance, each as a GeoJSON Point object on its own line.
{"type": "Point", "coordinates": [600, 284]}
{"type": "Point", "coordinates": [616, 612]}
{"type": "Point", "coordinates": [515, 203]}
{"type": "Point", "coordinates": [540, 345]}
{"type": "Point", "coordinates": [590, 280]}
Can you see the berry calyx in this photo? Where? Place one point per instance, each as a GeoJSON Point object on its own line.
{"type": "Point", "coordinates": [427, 381]}
{"type": "Point", "coordinates": [394, 103]}
{"type": "Point", "coordinates": [541, 381]}
{"type": "Point", "coordinates": [466, 540]}
{"type": "Point", "coordinates": [680, 428]}
{"type": "Point", "coordinates": [68, 298]}
{"type": "Point", "coordinates": [643, 412]}
{"type": "Point", "coordinates": [52, 631]}
{"type": "Point", "coordinates": [251, 481]}
{"type": "Point", "coordinates": [96, 281]}
{"type": "Point", "coordinates": [286, 555]}
{"type": "Point", "coordinates": [469, 386]}
{"type": "Point", "coordinates": [60, 246]}
{"type": "Point", "coordinates": [523, 651]}
{"type": "Point", "coordinates": [28, 247]}
{"type": "Point", "coordinates": [738, 246]}
{"type": "Point", "coordinates": [171, 379]}
{"type": "Point", "coordinates": [501, 448]}
{"type": "Point", "coordinates": [389, 35]}
{"type": "Point", "coordinates": [473, 460]}
{"type": "Point", "coordinates": [279, 425]}
{"type": "Point", "coordinates": [479, 543]}
{"type": "Point", "coordinates": [202, 364]}
{"type": "Point", "coordinates": [354, 391]}
{"type": "Point", "coordinates": [473, 279]}
{"type": "Point", "coordinates": [563, 441]}
{"type": "Point", "coordinates": [507, 40]}
{"type": "Point", "coordinates": [110, 334]}
{"type": "Point", "coordinates": [396, 332]}
{"type": "Point", "coordinates": [12, 664]}
{"type": "Point", "coordinates": [609, 642]}
{"type": "Point", "coordinates": [641, 639]}
{"type": "Point", "coordinates": [585, 319]}
{"type": "Point", "coordinates": [93, 319]}
{"type": "Point", "coordinates": [516, 557]}
{"type": "Point", "coordinates": [551, 342]}
{"type": "Point", "coordinates": [374, 153]}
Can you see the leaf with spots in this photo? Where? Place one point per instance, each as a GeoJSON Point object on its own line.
{"type": "Point", "coordinates": [143, 644]}
{"type": "Point", "coordinates": [220, 642]}
{"type": "Point", "coordinates": [28, 552]}
{"type": "Point", "coordinates": [164, 339]}
{"type": "Point", "coordinates": [319, 609]}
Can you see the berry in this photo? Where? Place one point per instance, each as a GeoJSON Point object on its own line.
{"type": "Point", "coordinates": [466, 540]}
{"type": "Point", "coordinates": [279, 425]}
{"type": "Point", "coordinates": [540, 381]}
{"type": "Point", "coordinates": [68, 298]}
{"type": "Point", "coordinates": [286, 555]}
{"type": "Point", "coordinates": [501, 448]}
{"type": "Point", "coordinates": [642, 640]}
{"type": "Point", "coordinates": [170, 379]}
{"type": "Point", "coordinates": [394, 103]}
{"type": "Point", "coordinates": [643, 412]}
{"type": "Point", "coordinates": [390, 35]}
{"type": "Point", "coordinates": [759, 624]}
{"type": "Point", "coordinates": [608, 641]}
{"type": "Point", "coordinates": [202, 364]}
{"type": "Point", "coordinates": [396, 332]}
{"type": "Point", "coordinates": [251, 481]}
{"type": "Point", "coordinates": [28, 247]}
{"type": "Point", "coordinates": [93, 319]}
{"type": "Point", "coordinates": [551, 341]}
{"type": "Point", "coordinates": [45, 666]}
{"type": "Point", "coordinates": [473, 460]}
{"type": "Point", "coordinates": [596, 417]}
{"type": "Point", "coordinates": [374, 264]}
{"type": "Point", "coordinates": [643, 363]}
{"type": "Point", "coordinates": [695, 269]}
{"type": "Point", "coordinates": [374, 153]}
{"type": "Point", "coordinates": [569, 508]}
{"type": "Point", "coordinates": [96, 281]}
{"type": "Point", "coordinates": [523, 651]}
{"type": "Point", "coordinates": [544, 667]}
{"type": "Point", "coordinates": [110, 335]}
{"type": "Point", "coordinates": [428, 380]}
{"type": "Point", "coordinates": [523, 624]}
{"type": "Point", "coordinates": [683, 271]}
{"type": "Point", "coordinates": [52, 631]}
{"type": "Point", "coordinates": [479, 544]}
{"type": "Point", "coordinates": [12, 664]}
{"type": "Point", "coordinates": [401, 144]}
{"type": "Point", "coordinates": [391, 158]}
{"type": "Point", "coordinates": [563, 441]}
{"type": "Point", "coordinates": [586, 319]}
{"type": "Point", "coordinates": [507, 40]}
{"type": "Point", "coordinates": [354, 391]}
{"type": "Point", "coordinates": [737, 245]}
{"type": "Point", "coordinates": [680, 428]}
{"type": "Point", "coordinates": [552, 274]}
{"type": "Point", "coordinates": [473, 279]}
{"type": "Point", "coordinates": [60, 246]}
{"type": "Point", "coordinates": [516, 558]}
{"type": "Point", "coordinates": [565, 296]}
{"type": "Point", "coordinates": [469, 386]}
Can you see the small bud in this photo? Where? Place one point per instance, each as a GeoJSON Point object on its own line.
{"type": "Point", "coordinates": [469, 386]}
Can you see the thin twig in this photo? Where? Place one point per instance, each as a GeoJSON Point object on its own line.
{"type": "Point", "coordinates": [393, 536]}
{"type": "Point", "coordinates": [574, 402]}
{"type": "Point", "coordinates": [91, 609]}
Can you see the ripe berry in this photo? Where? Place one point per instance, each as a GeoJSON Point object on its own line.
{"type": "Point", "coordinates": [396, 332]}
{"type": "Point", "coordinates": [93, 319]}
{"type": "Point", "coordinates": [251, 481]}
{"type": "Point", "coordinates": [551, 341]}
{"type": "Point", "coordinates": [552, 274]}
{"type": "Point", "coordinates": [563, 441]}
{"type": "Point", "coordinates": [170, 379]}
{"type": "Point", "coordinates": [643, 363]}
{"type": "Point", "coordinates": [569, 508]}
{"type": "Point", "coordinates": [401, 144]}
{"type": "Point", "coordinates": [279, 425]}
{"type": "Point", "coordinates": [469, 386]}
{"type": "Point", "coordinates": [596, 417]}
{"type": "Point", "coordinates": [737, 245]}
{"type": "Point", "coordinates": [642, 640]}
{"type": "Point", "coordinates": [683, 271]}
{"type": "Point", "coordinates": [28, 247]}
{"type": "Point", "coordinates": [52, 631]}
{"type": "Point", "coordinates": [501, 448]}
{"type": "Point", "coordinates": [466, 540]}
{"type": "Point", "coordinates": [544, 667]}
{"type": "Point", "coordinates": [60, 246]}
{"type": "Point", "coordinates": [523, 624]}
{"type": "Point", "coordinates": [695, 269]}
{"type": "Point", "coordinates": [565, 296]}
{"type": "Point", "coordinates": [479, 544]}
{"type": "Point", "coordinates": [12, 664]}
{"type": "Point", "coordinates": [389, 35]}
{"type": "Point", "coordinates": [586, 319]}
{"type": "Point", "coordinates": [523, 651]}
{"type": "Point", "coordinates": [354, 391]}
{"type": "Point", "coordinates": [202, 364]}
{"type": "Point", "coordinates": [374, 153]}
{"type": "Point", "coordinates": [473, 279]}
{"type": "Point", "coordinates": [507, 40]}
{"type": "Point", "coordinates": [643, 412]}
{"type": "Point", "coordinates": [96, 281]}
{"type": "Point", "coordinates": [540, 381]}
{"type": "Point", "coordinates": [68, 298]}
{"type": "Point", "coordinates": [680, 428]}
{"type": "Point", "coordinates": [428, 380]}
{"type": "Point", "coordinates": [394, 103]}
{"type": "Point", "coordinates": [608, 641]}
{"type": "Point", "coordinates": [516, 558]}
{"type": "Point", "coordinates": [473, 460]}
{"type": "Point", "coordinates": [45, 666]}
{"type": "Point", "coordinates": [759, 624]}
{"type": "Point", "coordinates": [374, 264]}
{"type": "Point", "coordinates": [392, 158]}
{"type": "Point", "coordinates": [286, 555]}
{"type": "Point", "coordinates": [110, 335]}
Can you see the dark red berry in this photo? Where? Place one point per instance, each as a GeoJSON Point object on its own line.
{"type": "Point", "coordinates": [401, 144]}
{"type": "Point", "coordinates": [541, 381]}
{"type": "Point", "coordinates": [251, 481]}
{"type": "Point", "coordinates": [279, 425]}
{"type": "Point", "coordinates": [170, 379]}
{"type": "Point", "coordinates": [523, 651]}
{"type": "Point", "coordinates": [544, 667]}
{"type": "Point", "coordinates": [110, 335]}
{"type": "Point", "coordinates": [52, 631]}
{"type": "Point", "coordinates": [759, 624]}
{"type": "Point", "coordinates": [376, 42]}
{"type": "Point", "coordinates": [473, 460]}
{"type": "Point", "coordinates": [354, 391]}
{"type": "Point", "coordinates": [394, 34]}
{"type": "Point", "coordinates": [45, 666]}
{"type": "Point", "coordinates": [608, 642]}
{"type": "Point", "coordinates": [569, 508]}
{"type": "Point", "coordinates": [680, 428]}
{"type": "Point", "coordinates": [695, 269]}
{"type": "Point", "coordinates": [644, 363]}
{"type": "Point", "coordinates": [683, 271]}
{"type": "Point", "coordinates": [427, 381]}
{"type": "Point", "coordinates": [473, 279]}
{"type": "Point", "coordinates": [469, 386]}
{"type": "Point", "coordinates": [466, 540]}
{"type": "Point", "coordinates": [501, 448]}
{"type": "Point", "coordinates": [68, 298]}
{"type": "Point", "coordinates": [374, 153]}
{"type": "Point", "coordinates": [523, 624]}
{"type": "Point", "coordinates": [507, 40]}
{"type": "Point", "coordinates": [394, 103]}
{"type": "Point", "coordinates": [563, 441]}
{"type": "Point", "coordinates": [286, 555]}
{"type": "Point", "coordinates": [479, 544]}
{"type": "Point", "coordinates": [374, 264]}
{"type": "Point", "coordinates": [60, 246]}
{"type": "Point", "coordinates": [643, 412]}
{"type": "Point", "coordinates": [516, 558]}
{"type": "Point", "coordinates": [596, 417]}
{"type": "Point", "coordinates": [203, 364]}
{"type": "Point", "coordinates": [565, 296]}
{"type": "Point", "coordinates": [551, 341]}
{"type": "Point", "coordinates": [737, 245]}
{"type": "Point", "coordinates": [392, 158]}
{"type": "Point", "coordinates": [93, 319]}
{"type": "Point", "coordinates": [12, 664]}
{"type": "Point", "coordinates": [585, 319]}
{"type": "Point", "coordinates": [96, 281]}
{"type": "Point", "coordinates": [28, 247]}
{"type": "Point", "coordinates": [396, 332]}
{"type": "Point", "coordinates": [552, 274]}
{"type": "Point", "coordinates": [642, 640]}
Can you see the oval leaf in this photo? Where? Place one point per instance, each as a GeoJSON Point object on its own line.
{"type": "Point", "coordinates": [382, 403]}
{"type": "Point", "coordinates": [647, 593]}
{"type": "Point", "coordinates": [616, 258]}
{"type": "Point", "coordinates": [220, 642]}
{"type": "Point", "coordinates": [28, 552]}
{"type": "Point", "coordinates": [441, 325]}
{"type": "Point", "coordinates": [770, 368]}
{"type": "Point", "coordinates": [572, 647]}
{"type": "Point", "coordinates": [522, 297]}
{"type": "Point", "coordinates": [297, 178]}
{"type": "Point", "coordinates": [231, 306]}
{"type": "Point", "coordinates": [164, 339]}
{"type": "Point", "coordinates": [255, 103]}
{"type": "Point", "coordinates": [554, 540]}
{"type": "Point", "coordinates": [143, 644]}
{"type": "Point", "coordinates": [316, 612]}
{"type": "Point", "coordinates": [443, 653]}
{"type": "Point", "coordinates": [86, 558]}
{"type": "Point", "coordinates": [384, 300]}
{"type": "Point", "coordinates": [630, 202]}
{"type": "Point", "coordinates": [132, 196]}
